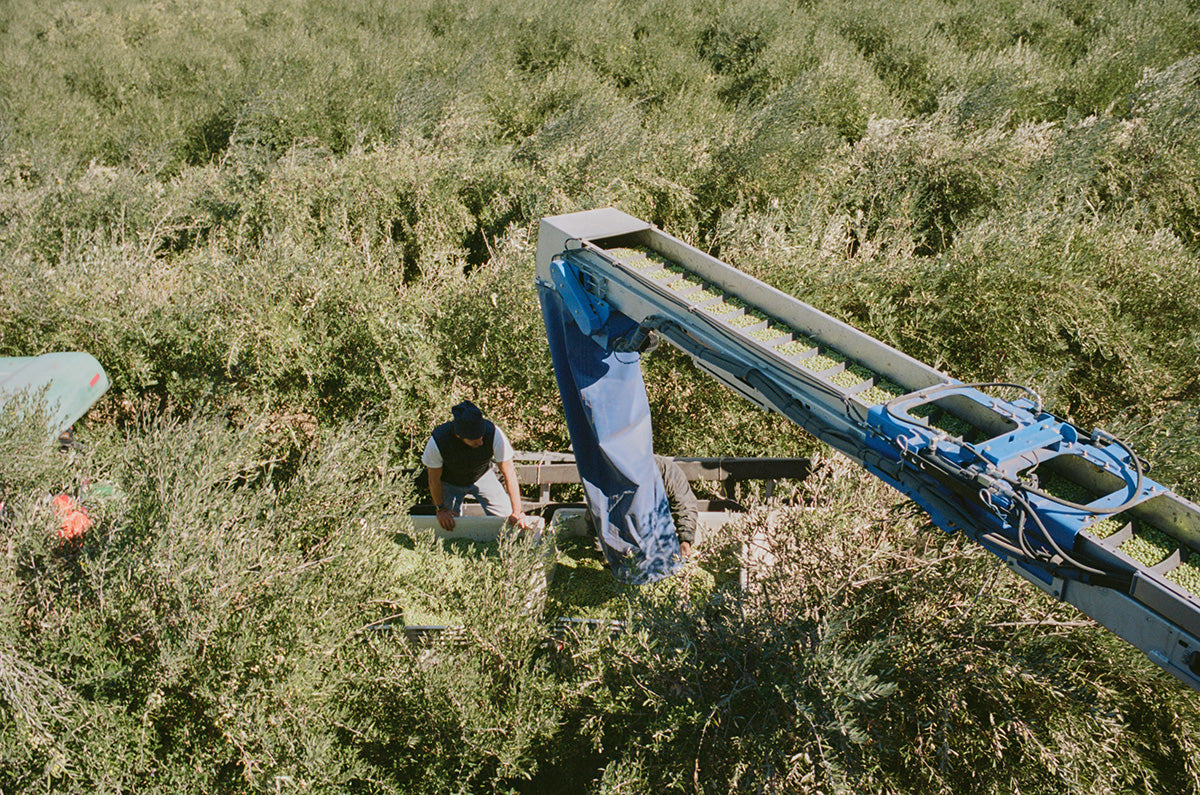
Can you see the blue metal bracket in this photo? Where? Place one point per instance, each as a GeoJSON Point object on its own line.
{"type": "Point", "coordinates": [1045, 433]}
{"type": "Point", "coordinates": [589, 312]}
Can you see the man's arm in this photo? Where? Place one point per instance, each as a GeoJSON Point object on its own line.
{"type": "Point", "coordinates": [444, 516]}
{"type": "Point", "coordinates": [514, 492]}
{"type": "Point", "coordinates": [685, 513]}
{"type": "Point", "coordinates": [682, 500]}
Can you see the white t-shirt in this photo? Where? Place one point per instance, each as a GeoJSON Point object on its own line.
{"type": "Point", "coordinates": [502, 450]}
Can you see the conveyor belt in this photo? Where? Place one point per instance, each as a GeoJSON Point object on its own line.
{"type": "Point", "coordinates": [1072, 512]}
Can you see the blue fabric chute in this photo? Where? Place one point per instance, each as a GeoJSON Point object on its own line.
{"type": "Point", "coordinates": [608, 417]}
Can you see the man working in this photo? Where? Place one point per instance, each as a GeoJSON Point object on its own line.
{"type": "Point", "coordinates": [684, 508]}
{"type": "Point", "coordinates": [681, 500]}
{"type": "Point", "coordinates": [459, 456]}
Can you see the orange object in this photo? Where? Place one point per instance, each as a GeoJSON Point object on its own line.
{"type": "Point", "coordinates": [74, 519]}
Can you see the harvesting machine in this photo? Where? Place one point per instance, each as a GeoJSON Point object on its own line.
{"type": "Point", "coordinates": [1072, 512]}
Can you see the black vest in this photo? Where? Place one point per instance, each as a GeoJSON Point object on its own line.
{"type": "Point", "coordinates": [462, 464]}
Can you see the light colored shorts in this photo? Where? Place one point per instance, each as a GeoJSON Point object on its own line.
{"type": "Point", "coordinates": [487, 490]}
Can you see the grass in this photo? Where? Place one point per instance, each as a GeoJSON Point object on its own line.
{"type": "Point", "coordinates": [294, 234]}
{"type": "Point", "coordinates": [305, 565]}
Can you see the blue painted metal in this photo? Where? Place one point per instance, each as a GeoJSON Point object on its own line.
{"type": "Point", "coordinates": [590, 313]}
{"type": "Point", "coordinates": [1044, 433]}
{"type": "Point", "coordinates": [992, 466]}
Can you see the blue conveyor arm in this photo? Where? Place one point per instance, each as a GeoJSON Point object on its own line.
{"type": "Point", "coordinates": [1074, 513]}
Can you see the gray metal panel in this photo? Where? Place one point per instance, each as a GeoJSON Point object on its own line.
{"type": "Point", "coordinates": [476, 528]}
{"type": "Point", "coordinates": [694, 468]}
{"type": "Point", "coordinates": [547, 473]}
{"type": "Point", "coordinates": [639, 298]}
{"type": "Point", "coordinates": [1182, 610]}
{"type": "Point", "coordinates": [555, 231]}
{"type": "Point", "coordinates": [1167, 646]}
{"type": "Point", "coordinates": [650, 298]}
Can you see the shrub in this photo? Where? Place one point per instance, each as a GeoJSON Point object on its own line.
{"type": "Point", "coordinates": [204, 621]}
{"type": "Point", "coordinates": [875, 653]}
{"type": "Point", "coordinates": [292, 216]}
{"type": "Point", "coordinates": [1117, 53]}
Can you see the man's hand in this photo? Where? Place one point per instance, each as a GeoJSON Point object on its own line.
{"type": "Point", "coordinates": [517, 517]}
{"type": "Point", "coordinates": [685, 549]}
{"type": "Point", "coordinates": [445, 516]}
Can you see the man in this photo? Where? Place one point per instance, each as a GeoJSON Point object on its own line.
{"type": "Point", "coordinates": [681, 498]}
{"type": "Point", "coordinates": [459, 457]}
{"type": "Point", "coordinates": [685, 509]}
